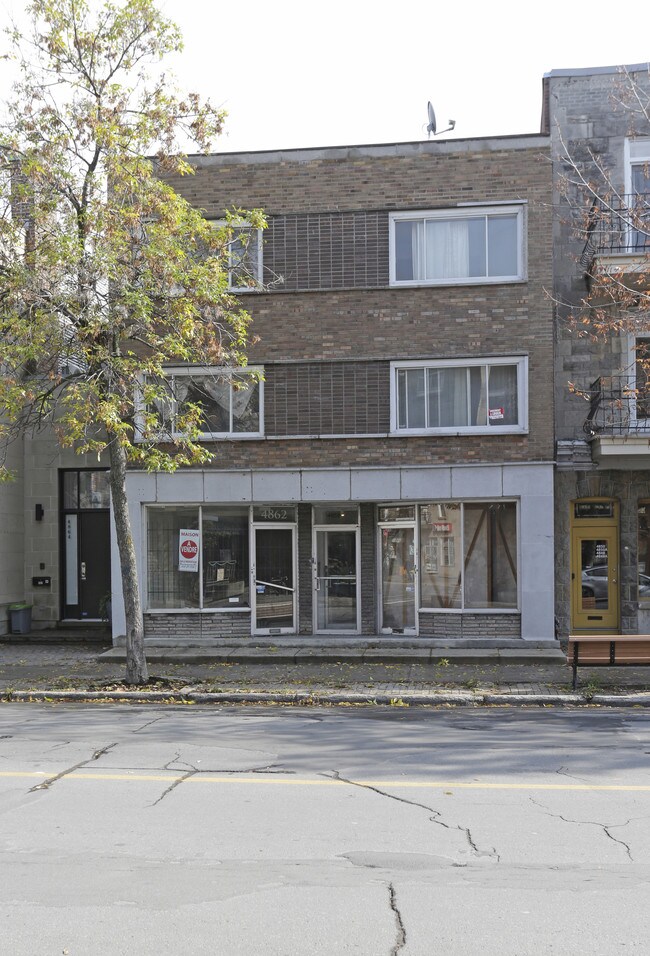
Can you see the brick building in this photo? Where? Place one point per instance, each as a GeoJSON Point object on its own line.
{"type": "Point", "coordinates": [603, 426]}
{"type": "Point", "coordinates": [392, 470]}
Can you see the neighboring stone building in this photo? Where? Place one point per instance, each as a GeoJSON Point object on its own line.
{"type": "Point", "coordinates": [603, 429]}
{"type": "Point", "coordinates": [12, 537]}
{"type": "Point", "coordinates": [393, 471]}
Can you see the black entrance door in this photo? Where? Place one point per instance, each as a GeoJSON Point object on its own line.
{"type": "Point", "coordinates": [86, 544]}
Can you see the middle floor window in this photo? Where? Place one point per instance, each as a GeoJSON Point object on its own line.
{"type": "Point", "coordinates": [229, 403]}
{"type": "Point", "coordinates": [470, 395]}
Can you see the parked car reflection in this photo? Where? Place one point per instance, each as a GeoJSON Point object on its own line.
{"type": "Point", "coordinates": [595, 581]}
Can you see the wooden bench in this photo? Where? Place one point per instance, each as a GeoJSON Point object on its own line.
{"type": "Point", "coordinates": [607, 650]}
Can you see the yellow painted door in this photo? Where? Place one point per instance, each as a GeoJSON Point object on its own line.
{"type": "Point", "coordinates": [595, 591]}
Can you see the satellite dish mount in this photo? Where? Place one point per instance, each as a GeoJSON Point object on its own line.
{"type": "Point", "coordinates": [431, 128]}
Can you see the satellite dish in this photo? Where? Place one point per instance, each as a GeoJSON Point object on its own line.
{"type": "Point", "coordinates": [431, 128]}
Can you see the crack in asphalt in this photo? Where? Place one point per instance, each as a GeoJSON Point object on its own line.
{"type": "Point", "coordinates": [605, 827]}
{"type": "Point", "coordinates": [400, 940]}
{"type": "Point", "coordinates": [148, 724]}
{"type": "Point", "coordinates": [564, 772]}
{"type": "Point", "coordinates": [172, 786]}
{"type": "Point", "coordinates": [267, 768]}
{"type": "Point", "coordinates": [46, 784]}
{"type": "Point", "coordinates": [413, 803]}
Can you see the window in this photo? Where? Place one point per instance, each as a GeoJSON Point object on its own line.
{"type": "Point", "coordinates": [244, 257]}
{"type": "Point", "coordinates": [468, 556]}
{"type": "Point", "coordinates": [230, 400]}
{"type": "Point", "coordinates": [471, 395]}
{"type": "Point", "coordinates": [460, 245]}
{"type": "Point", "coordinates": [643, 553]}
{"type": "Point", "coordinates": [219, 575]}
{"type": "Point", "coordinates": [638, 189]}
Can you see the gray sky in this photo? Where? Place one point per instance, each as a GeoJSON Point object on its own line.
{"type": "Point", "coordinates": [294, 74]}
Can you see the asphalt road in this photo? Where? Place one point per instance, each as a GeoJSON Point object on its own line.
{"type": "Point", "coordinates": [142, 830]}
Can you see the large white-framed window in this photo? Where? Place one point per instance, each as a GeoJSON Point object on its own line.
{"type": "Point", "coordinates": [463, 245]}
{"type": "Point", "coordinates": [245, 258]}
{"type": "Point", "coordinates": [231, 401]}
{"type": "Point", "coordinates": [460, 396]}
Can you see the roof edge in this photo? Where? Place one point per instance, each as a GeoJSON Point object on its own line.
{"type": "Point", "coordinates": [431, 147]}
{"type": "Point", "coordinates": [595, 70]}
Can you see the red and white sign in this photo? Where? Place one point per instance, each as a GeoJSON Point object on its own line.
{"type": "Point", "coordinates": [442, 527]}
{"type": "Point", "coordinates": [495, 414]}
{"type": "Point", "coordinates": [189, 543]}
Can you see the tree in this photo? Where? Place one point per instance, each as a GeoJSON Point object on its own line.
{"type": "Point", "coordinates": [107, 275]}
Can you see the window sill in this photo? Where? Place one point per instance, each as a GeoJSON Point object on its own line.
{"type": "Point", "coordinates": [459, 432]}
{"type": "Point", "coordinates": [196, 610]}
{"type": "Point", "coordinates": [452, 283]}
{"type": "Point", "coordinates": [469, 610]}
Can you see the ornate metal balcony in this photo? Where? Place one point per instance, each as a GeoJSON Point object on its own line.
{"type": "Point", "coordinates": [618, 406]}
{"type": "Point", "coordinates": [617, 225]}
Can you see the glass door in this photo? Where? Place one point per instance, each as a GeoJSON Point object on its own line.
{"type": "Point", "coordinates": [398, 578]}
{"type": "Point", "coordinates": [335, 580]}
{"type": "Point", "coordinates": [594, 579]}
{"type": "Point", "coordinates": [274, 590]}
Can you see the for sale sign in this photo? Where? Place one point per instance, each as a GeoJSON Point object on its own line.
{"type": "Point", "coordinates": [189, 542]}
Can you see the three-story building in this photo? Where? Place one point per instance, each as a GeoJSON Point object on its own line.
{"type": "Point", "coordinates": [385, 463]}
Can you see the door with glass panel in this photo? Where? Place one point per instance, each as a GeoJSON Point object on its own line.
{"type": "Point", "coordinates": [594, 579]}
{"type": "Point", "coordinates": [398, 569]}
{"type": "Point", "coordinates": [274, 576]}
{"type": "Point", "coordinates": [595, 588]}
{"type": "Point", "coordinates": [335, 562]}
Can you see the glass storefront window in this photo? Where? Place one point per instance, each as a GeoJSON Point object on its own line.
{"type": "Point", "coordinates": [333, 514]}
{"type": "Point", "coordinates": [441, 555]}
{"type": "Point", "coordinates": [490, 540]}
{"type": "Point", "coordinates": [643, 553]}
{"type": "Point", "coordinates": [468, 555]}
{"type": "Point", "coordinates": [397, 513]}
{"type": "Point", "coordinates": [167, 586]}
{"type": "Point", "coordinates": [226, 566]}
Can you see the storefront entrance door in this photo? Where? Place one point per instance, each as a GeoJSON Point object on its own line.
{"type": "Point", "coordinates": [274, 590]}
{"type": "Point", "coordinates": [336, 604]}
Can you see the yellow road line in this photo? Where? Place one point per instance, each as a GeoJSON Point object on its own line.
{"type": "Point", "coordinates": [279, 781]}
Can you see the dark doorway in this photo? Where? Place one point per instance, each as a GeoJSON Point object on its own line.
{"type": "Point", "coordinates": [85, 546]}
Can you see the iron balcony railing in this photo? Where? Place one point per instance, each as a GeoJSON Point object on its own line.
{"type": "Point", "coordinates": [617, 224]}
{"type": "Point", "coordinates": [617, 406]}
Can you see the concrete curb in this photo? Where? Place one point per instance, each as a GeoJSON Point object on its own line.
{"type": "Point", "coordinates": [317, 698]}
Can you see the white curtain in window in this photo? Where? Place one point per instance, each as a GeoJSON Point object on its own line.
{"type": "Point", "coordinates": [447, 249]}
{"type": "Point", "coordinates": [452, 397]}
{"type": "Point", "coordinates": [218, 390]}
{"type": "Point", "coordinates": [416, 245]}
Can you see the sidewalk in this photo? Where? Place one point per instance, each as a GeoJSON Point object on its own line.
{"type": "Point", "coordinates": [264, 672]}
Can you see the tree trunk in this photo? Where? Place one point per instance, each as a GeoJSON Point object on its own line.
{"type": "Point", "coordinates": [136, 664]}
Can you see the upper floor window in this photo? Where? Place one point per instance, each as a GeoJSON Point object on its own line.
{"type": "Point", "coordinates": [244, 253]}
{"type": "Point", "coordinates": [638, 190]}
{"type": "Point", "coordinates": [462, 245]}
{"type": "Point", "coordinates": [230, 400]}
{"type": "Point", "coordinates": [452, 396]}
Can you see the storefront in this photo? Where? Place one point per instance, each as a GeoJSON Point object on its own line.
{"type": "Point", "coordinates": [440, 566]}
